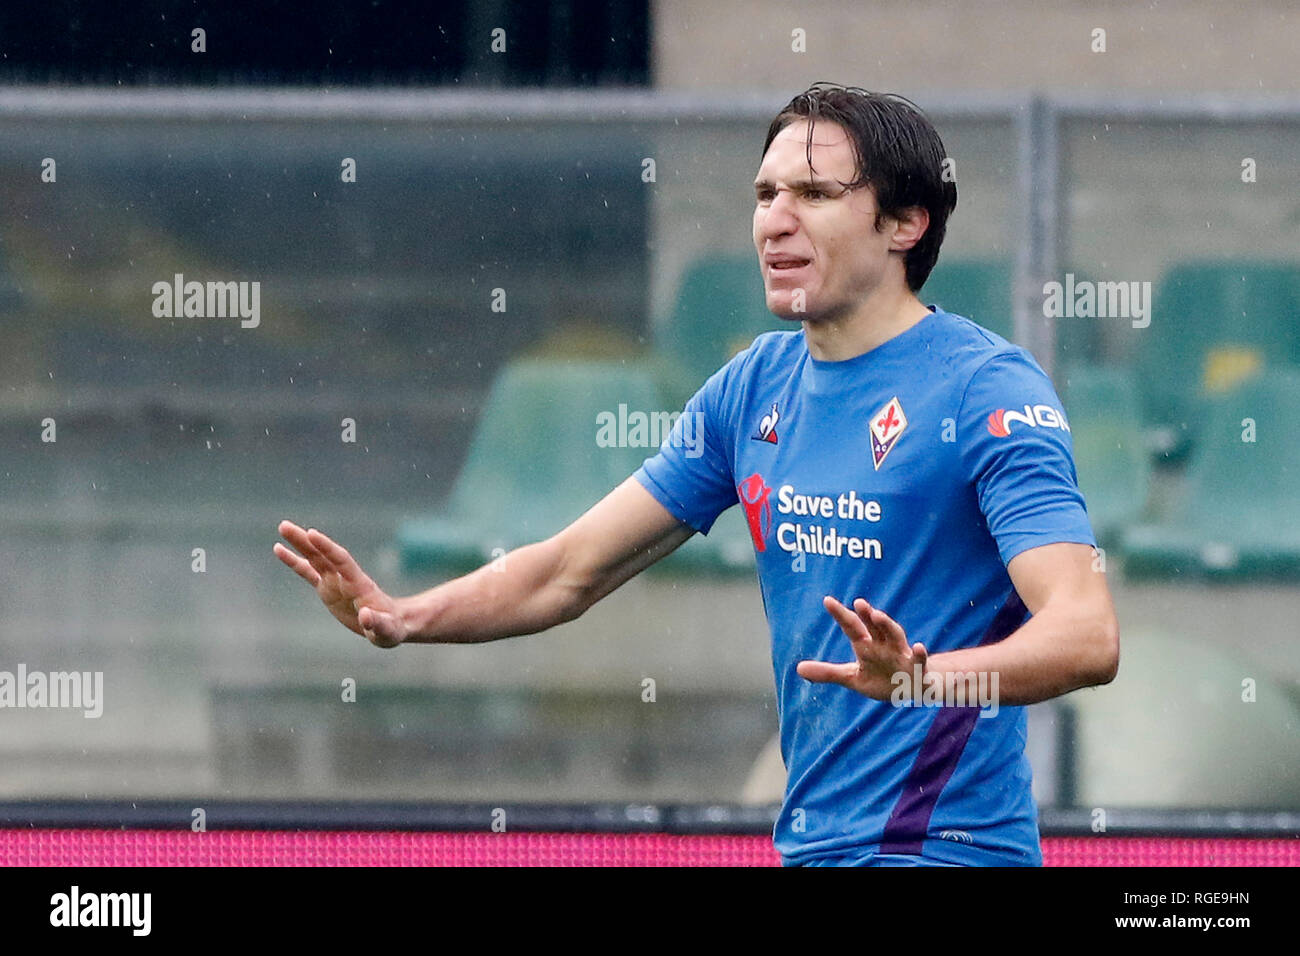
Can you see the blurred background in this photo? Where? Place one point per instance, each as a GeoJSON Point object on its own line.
{"type": "Point", "coordinates": [476, 229]}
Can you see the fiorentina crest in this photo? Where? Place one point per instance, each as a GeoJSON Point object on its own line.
{"type": "Point", "coordinates": [886, 425]}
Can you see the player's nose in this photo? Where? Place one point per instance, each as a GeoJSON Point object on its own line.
{"type": "Point", "coordinates": [779, 218]}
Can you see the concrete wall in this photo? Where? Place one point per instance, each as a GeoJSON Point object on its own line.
{"type": "Point", "coordinates": [1200, 45]}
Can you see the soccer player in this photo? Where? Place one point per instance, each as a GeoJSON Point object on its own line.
{"type": "Point", "coordinates": [908, 481]}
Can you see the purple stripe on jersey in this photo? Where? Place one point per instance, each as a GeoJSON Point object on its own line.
{"type": "Point", "coordinates": [939, 753]}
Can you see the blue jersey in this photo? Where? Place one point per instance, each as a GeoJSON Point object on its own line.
{"type": "Point", "coordinates": [909, 476]}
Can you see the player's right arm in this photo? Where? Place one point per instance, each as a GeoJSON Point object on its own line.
{"type": "Point", "coordinates": [530, 589]}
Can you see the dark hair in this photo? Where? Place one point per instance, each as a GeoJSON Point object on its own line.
{"type": "Point", "coordinates": [897, 151]}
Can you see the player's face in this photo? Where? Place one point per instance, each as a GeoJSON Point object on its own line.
{"type": "Point", "coordinates": [818, 248]}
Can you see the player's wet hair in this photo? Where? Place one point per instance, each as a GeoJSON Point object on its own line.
{"type": "Point", "coordinates": [898, 153]}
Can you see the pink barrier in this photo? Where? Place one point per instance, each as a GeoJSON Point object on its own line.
{"type": "Point", "coordinates": [349, 848]}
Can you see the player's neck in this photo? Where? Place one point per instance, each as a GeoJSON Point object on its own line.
{"type": "Point", "coordinates": [877, 319]}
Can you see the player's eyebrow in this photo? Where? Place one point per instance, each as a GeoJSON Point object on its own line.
{"type": "Point", "coordinates": [826, 185]}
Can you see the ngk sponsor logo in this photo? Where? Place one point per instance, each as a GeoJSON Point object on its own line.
{"type": "Point", "coordinates": [1033, 416]}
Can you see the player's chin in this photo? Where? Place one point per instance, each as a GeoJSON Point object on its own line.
{"type": "Point", "coordinates": [783, 305]}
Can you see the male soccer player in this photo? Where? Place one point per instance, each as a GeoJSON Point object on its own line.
{"type": "Point", "coordinates": [908, 482]}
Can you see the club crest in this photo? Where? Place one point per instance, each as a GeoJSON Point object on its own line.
{"type": "Point", "coordinates": [886, 427]}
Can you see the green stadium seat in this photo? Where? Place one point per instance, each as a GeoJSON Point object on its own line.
{"type": "Point", "coordinates": [1212, 324]}
{"type": "Point", "coordinates": [720, 309]}
{"type": "Point", "coordinates": [979, 289]}
{"type": "Point", "coordinates": [1114, 469]}
{"type": "Point", "coordinates": [1239, 516]}
{"type": "Point", "coordinates": [726, 551]}
{"type": "Point", "coordinates": [982, 291]}
{"type": "Point", "coordinates": [535, 465]}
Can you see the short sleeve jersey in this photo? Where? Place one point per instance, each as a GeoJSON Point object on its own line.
{"type": "Point", "coordinates": [909, 476]}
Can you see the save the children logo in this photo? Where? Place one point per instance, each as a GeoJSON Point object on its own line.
{"type": "Point", "coordinates": [754, 494]}
{"type": "Point", "coordinates": [823, 533]}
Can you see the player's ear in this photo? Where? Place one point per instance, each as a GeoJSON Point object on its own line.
{"type": "Point", "coordinates": [909, 227]}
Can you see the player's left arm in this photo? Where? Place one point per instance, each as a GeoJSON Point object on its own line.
{"type": "Point", "coordinates": [1027, 490]}
{"type": "Point", "coordinates": [1071, 641]}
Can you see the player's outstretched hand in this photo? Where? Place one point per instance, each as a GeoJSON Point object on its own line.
{"type": "Point", "coordinates": [359, 604]}
{"type": "Point", "coordinates": [881, 647]}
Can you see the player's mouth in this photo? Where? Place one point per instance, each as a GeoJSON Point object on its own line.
{"type": "Point", "coordinates": [786, 265]}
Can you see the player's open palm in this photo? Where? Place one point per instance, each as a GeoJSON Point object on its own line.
{"type": "Point", "coordinates": [347, 592]}
{"type": "Point", "coordinates": [879, 645]}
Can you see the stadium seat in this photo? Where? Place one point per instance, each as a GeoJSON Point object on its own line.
{"type": "Point", "coordinates": [726, 551]}
{"type": "Point", "coordinates": [983, 291]}
{"type": "Point", "coordinates": [1213, 324]}
{"type": "Point", "coordinates": [720, 309]}
{"type": "Point", "coordinates": [535, 465]}
{"type": "Point", "coordinates": [1102, 405]}
{"type": "Point", "coordinates": [979, 289]}
{"type": "Point", "coordinates": [1239, 516]}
